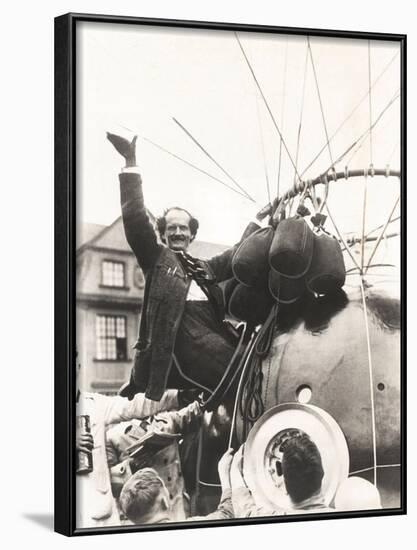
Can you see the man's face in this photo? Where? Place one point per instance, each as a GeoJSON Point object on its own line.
{"type": "Point", "coordinates": [177, 232]}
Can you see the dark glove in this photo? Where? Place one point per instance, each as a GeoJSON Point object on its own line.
{"type": "Point", "coordinates": [303, 211]}
{"type": "Point", "coordinates": [125, 147]}
{"type": "Point", "coordinates": [318, 219]}
{"type": "Point", "coordinates": [128, 390]}
{"type": "Point", "coordinates": [185, 397]}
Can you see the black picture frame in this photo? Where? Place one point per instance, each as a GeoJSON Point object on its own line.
{"type": "Point", "coordinates": [65, 261]}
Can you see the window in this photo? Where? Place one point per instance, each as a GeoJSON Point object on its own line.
{"type": "Point", "coordinates": [113, 274]}
{"type": "Point", "coordinates": [111, 342]}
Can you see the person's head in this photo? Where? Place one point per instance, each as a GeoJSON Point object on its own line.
{"type": "Point", "coordinates": [302, 468]}
{"type": "Point", "coordinates": [356, 493]}
{"type": "Point", "coordinates": [145, 498]}
{"type": "Point", "coordinates": [177, 228]}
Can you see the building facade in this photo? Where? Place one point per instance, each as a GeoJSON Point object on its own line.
{"type": "Point", "coordinates": [109, 293]}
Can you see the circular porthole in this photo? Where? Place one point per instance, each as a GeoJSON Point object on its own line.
{"type": "Point", "coordinates": [304, 394]}
{"type": "Point", "coordinates": [265, 444]}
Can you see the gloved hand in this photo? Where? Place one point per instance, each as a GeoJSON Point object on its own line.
{"type": "Point", "coordinates": [185, 397]}
{"type": "Point", "coordinates": [128, 390]}
{"type": "Point", "coordinates": [125, 147]}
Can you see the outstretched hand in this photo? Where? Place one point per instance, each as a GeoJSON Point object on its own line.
{"type": "Point", "coordinates": [124, 147]}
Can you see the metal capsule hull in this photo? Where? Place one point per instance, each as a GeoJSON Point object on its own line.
{"type": "Point", "coordinates": [325, 351]}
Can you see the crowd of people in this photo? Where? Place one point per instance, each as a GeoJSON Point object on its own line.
{"type": "Point", "coordinates": [135, 438]}
{"type": "Point", "coordinates": [122, 489]}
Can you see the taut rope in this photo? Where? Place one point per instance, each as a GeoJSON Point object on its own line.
{"type": "Point", "coordinates": [371, 380]}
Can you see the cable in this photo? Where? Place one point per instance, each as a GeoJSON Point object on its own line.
{"type": "Point", "coordinates": [371, 380]}
{"type": "Point", "coordinates": [320, 101]}
{"type": "Point", "coordinates": [301, 114]}
{"type": "Point", "coordinates": [383, 231]}
{"type": "Point", "coordinates": [195, 167]}
{"type": "Point", "coordinates": [263, 152]}
{"type": "Point", "coordinates": [349, 116]}
{"type": "Point", "coordinates": [266, 104]}
{"type": "Point", "coordinates": [284, 84]}
{"type": "Point", "coordinates": [211, 157]}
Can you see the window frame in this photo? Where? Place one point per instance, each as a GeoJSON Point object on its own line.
{"type": "Point", "coordinates": [104, 284]}
{"type": "Point", "coordinates": [107, 337]}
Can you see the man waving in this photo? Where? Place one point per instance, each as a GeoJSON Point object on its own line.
{"type": "Point", "coordinates": [182, 320]}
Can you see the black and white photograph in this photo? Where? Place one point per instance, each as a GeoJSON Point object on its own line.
{"type": "Point", "coordinates": [237, 352]}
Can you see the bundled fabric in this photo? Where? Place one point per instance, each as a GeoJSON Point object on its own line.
{"type": "Point", "coordinates": [327, 271]}
{"type": "Point", "coordinates": [250, 263]}
{"type": "Point", "coordinates": [291, 248]}
{"type": "Point", "coordinates": [285, 290]}
{"type": "Point", "coordinates": [250, 304]}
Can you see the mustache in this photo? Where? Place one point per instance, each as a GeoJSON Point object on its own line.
{"type": "Point", "coordinates": [177, 238]}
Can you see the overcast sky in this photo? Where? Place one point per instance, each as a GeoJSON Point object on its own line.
{"type": "Point", "coordinates": [135, 79]}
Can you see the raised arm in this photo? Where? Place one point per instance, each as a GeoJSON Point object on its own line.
{"type": "Point", "coordinates": [244, 505]}
{"type": "Point", "coordinates": [120, 408]}
{"type": "Point", "coordinates": [224, 509]}
{"type": "Point", "coordinates": [139, 231]}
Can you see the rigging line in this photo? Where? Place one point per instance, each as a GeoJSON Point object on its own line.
{"type": "Point", "coordinates": [284, 84]}
{"type": "Point", "coordinates": [365, 182]}
{"type": "Point", "coordinates": [371, 468]}
{"type": "Point", "coordinates": [349, 115]}
{"type": "Point", "coordinates": [198, 463]}
{"type": "Point", "coordinates": [351, 242]}
{"type": "Point", "coordinates": [365, 196]}
{"type": "Point", "coordinates": [301, 111]}
{"type": "Point", "coordinates": [320, 101]}
{"type": "Point", "coordinates": [393, 152]}
{"type": "Point", "coordinates": [361, 140]}
{"type": "Point", "coordinates": [385, 237]}
{"type": "Point", "coordinates": [187, 378]}
{"type": "Point", "coordinates": [266, 104]}
{"type": "Point", "coordinates": [383, 232]}
{"type": "Point", "coordinates": [195, 167]}
{"type": "Point", "coordinates": [382, 225]}
{"type": "Point", "coordinates": [371, 380]}
{"type": "Point", "coordinates": [263, 151]}
{"type": "Point", "coordinates": [341, 237]}
{"type": "Point", "coordinates": [211, 158]}
{"type": "Point", "coordinates": [370, 101]}
{"type": "Point", "coordinates": [353, 269]}
{"type": "Point", "coordinates": [254, 339]}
